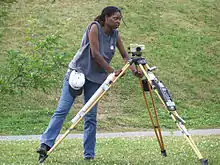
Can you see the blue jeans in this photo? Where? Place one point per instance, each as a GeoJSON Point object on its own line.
{"type": "Point", "coordinates": [66, 100]}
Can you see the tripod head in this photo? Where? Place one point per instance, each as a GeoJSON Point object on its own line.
{"type": "Point", "coordinates": [136, 49]}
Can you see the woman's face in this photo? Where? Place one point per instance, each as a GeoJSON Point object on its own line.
{"type": "Point", "coordinates": [114, 20]}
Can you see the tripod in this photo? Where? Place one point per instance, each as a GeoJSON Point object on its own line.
{"type": "Point", "coordinates": [149, 84]}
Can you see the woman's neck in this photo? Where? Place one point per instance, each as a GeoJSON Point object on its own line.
{"type": "Point", "coordinates": [107, 30]}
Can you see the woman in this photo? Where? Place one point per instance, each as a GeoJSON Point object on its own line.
{"type": "Point", "coordinates": [98, 46]}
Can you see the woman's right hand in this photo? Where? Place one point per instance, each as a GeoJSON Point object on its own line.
{"type": "Point", "coordinates": [138, 73]}
{"type": "Point", "coordinates": [117, 72]}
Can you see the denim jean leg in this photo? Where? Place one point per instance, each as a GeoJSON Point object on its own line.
{"type": "Point", "coordinates": [89, 140]}
{"type": "Point", "coordinates": [56, 122]}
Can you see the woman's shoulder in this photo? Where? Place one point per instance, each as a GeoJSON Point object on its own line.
{"type": "Point", "coordinates": [94, 22]}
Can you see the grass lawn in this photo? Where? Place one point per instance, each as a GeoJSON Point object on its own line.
{"type": "Point", "coordinates": [115, 151]}
{"type": "Point", "coordinates": [181, 38]}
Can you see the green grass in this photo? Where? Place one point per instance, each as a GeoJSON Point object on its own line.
{"type": "Point", "coordinates": [181, 38]}
{"type": "Point", "coordinates": [130, 151]}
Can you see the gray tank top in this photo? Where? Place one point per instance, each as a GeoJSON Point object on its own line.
{"type": "Point", "coordinates": [83, 60]}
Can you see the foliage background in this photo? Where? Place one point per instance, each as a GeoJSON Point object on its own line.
{"type": "Point", "coordinates": [39, 38]}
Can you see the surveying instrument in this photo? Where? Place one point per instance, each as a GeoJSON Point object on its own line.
{"type": "Point", "coordinates": [149, 85]}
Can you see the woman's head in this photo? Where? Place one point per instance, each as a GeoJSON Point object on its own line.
{"type": "Point", "coordinates": [111, 16]}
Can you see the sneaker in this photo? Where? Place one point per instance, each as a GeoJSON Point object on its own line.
{"type": "Point", "coordinates": [88, 158]}
{"type": "Point", "coordinates": [42, 150]}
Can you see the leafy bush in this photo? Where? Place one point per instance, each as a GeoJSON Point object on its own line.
{"type": "Point", "coordinates": [39, 68]}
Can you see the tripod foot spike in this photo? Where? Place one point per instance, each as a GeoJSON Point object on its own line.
{"type": "Point", "coordinates": [204, 161]}
{"type": "Point", "coordinates": [164, 153]}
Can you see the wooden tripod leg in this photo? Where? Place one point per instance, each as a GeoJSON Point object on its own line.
{"type": "Point", "coordinates": [156, 127]}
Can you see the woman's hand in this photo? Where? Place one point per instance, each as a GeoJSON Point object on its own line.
{"type": "Point", "coordinates": [117, 72]}
{"type": "Point", "coordinates": [138, 73]}
{"type": "Point", "coordinates": [135, 72]}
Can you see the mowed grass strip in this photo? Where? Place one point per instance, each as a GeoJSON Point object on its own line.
{"type": "Point", "coordinates": [115, 151]}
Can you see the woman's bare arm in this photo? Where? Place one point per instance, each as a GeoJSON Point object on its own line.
{"type": "Point", "coordinates": [94, 45]}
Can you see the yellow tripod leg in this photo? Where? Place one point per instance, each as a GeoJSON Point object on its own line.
{"type": "Point", "coordinates": [111, 79]}
{"type": "Point", "coordinates": [156, 127]}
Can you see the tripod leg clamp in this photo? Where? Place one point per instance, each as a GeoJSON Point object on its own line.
{"type": "Point", "coordinates": [145, 85]}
